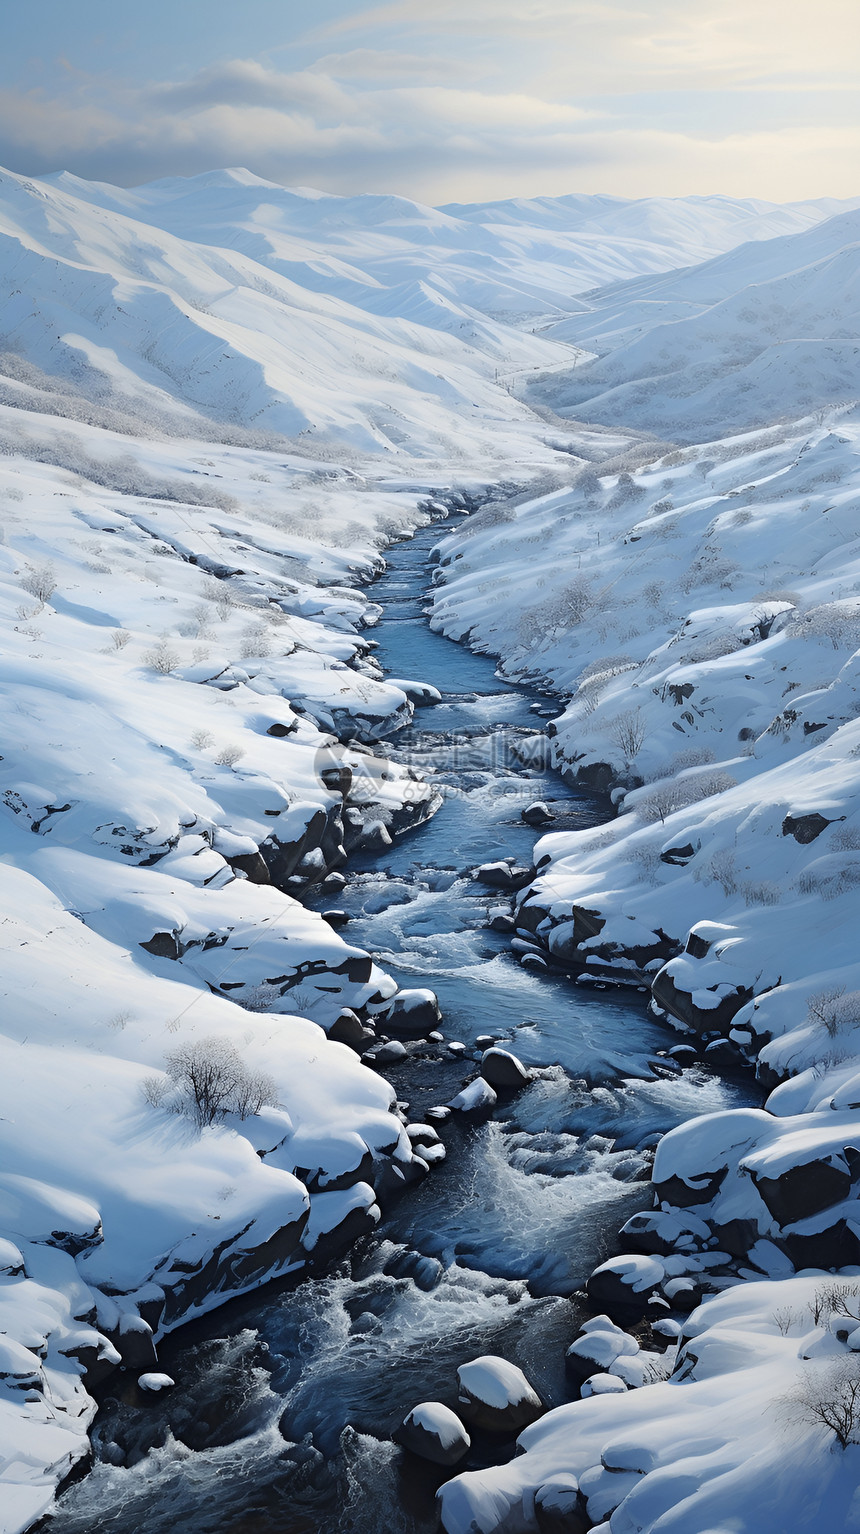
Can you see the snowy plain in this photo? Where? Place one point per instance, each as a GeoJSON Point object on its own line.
{"type": "Point", "coordinates": [218, 401]}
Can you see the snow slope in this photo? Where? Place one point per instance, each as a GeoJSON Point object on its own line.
{"type": "Point", "coordinates": [180, 666]}
{"type": "Point", "coordinates": [763, 333]}
{"type": "Point", "coordinates": [700, 615]}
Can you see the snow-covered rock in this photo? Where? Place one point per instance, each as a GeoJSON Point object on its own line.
{"type": "Point", "coordinates": [496, 1396]}
{"type": "Point", "coordinates": [434, 1432]}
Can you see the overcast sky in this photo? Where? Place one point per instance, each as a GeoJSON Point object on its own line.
{"type": "Point", "coordinates": [442, 100]}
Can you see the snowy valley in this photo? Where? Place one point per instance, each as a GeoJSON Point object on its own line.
{"type": "Point", "coordinates": [221, 402]}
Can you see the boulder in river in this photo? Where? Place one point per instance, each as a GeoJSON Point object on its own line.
{"type": "Point", "coordinates": [504, 876]}
{"type": "Point", "coordinates": [538, 814]}
{"type": "Point", "coordinates": [347, 1028]}
{"type": "Point", "coordinates": [388, 1053]}
{"type": "Point", "coordinates": [434, 1432]}
{"type": "Point", "coordinates": [596, 1351]}
{"type": "Point", "coordinates": [154, 1383]}
{"type": "Point", "coordinates": [411, 1014]}
{"type": "Point", "coordinates": [477, 1097]}
{"type": "Point", "coordinates": [495, 1395]}
{"type": "Point", "coordinates": [503, 1070]}
{"type": "Point", "coordinates": [624, 1283]}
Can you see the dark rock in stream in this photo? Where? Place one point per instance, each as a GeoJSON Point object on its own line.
{"type": "Point", "coordinates": [496, 1397]}
{"type": "Point", "coordinates": [538, 814]}
{"type": "Point", "coordinates": [410, 1014]}
{"type": "Point", "coordinates": [336, 918]}
{"type": "Point", "coordinates": [347, 1028]}
{"type": "Point", "coordinates": [434, 1432]}
{"type": "Point", "coordinates": [504, 875]}
{"type": "Point", "coordinates": [503, 1070]}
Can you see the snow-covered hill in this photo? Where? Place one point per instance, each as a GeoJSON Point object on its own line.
{"type": "Point", "coordinates": [701, 617]}
{"type": "Point", "coordinates": [371, 322]}
{"type": "Point", "coordinates": [761, 334]}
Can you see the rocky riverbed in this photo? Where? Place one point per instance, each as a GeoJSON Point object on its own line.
{"type": "Point", "coordinates": [285, 1403]}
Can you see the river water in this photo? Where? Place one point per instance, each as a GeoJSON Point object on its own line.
{"type": "Point", "coordinates": [284, 1401]}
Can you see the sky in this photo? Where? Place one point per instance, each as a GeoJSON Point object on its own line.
{"type": "Point", "coordinates": [441, 100]}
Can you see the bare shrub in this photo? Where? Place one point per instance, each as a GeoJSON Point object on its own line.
{"type": "Point", "coordinates": [723, 870]}
{"type": "Point", "coordinates": [202, 615]}
{"type": "Point", "coordinates": [784, 1320]}
{"type": "Point", "coordinates": [834, 1010]}
{"type": "Point", "coordinates": [692, 756]}
{"type": "Point", "coordinates": [201, 739]}
{"type": "Point", "coordinates": [761, 892]}
{"type": "Point", "coordinates": [40, 581]}
{"type": "Point", "coordinates": [647, 859]}
{"type": "Point", "coordinates": [254, 1090]}
{"type": "Point", "coordinates": [837, 621]}
{"type": "Point", "coordinates": [228, 756]}
{"type": "Point", "coordinates": [255, 643]}
{"type": "Point", "coordinates": [846, 838]}
{"type": "Point", "coordinates": [627, 731]}
{"type": "Point", "coordinates": [831, 1299]}
{"type": "Point", "coordinates": [162, 659]}
{"type": "Point", "coordinates": [155, 1090]}
{"type": "Point", "coordinates": [120, 638]}
{"type": "Point", "coordinates": [674, 794]}
{"type": "Point", "coordinates": [224, 603]}
{"type": "Point", "coordinates": [829, 1396]}
{"type": "Point", "coordinates": [210, 1080]}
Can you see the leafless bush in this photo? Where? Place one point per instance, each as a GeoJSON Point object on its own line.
{"type": "Point", "coordinates": [120, 638]}
{"type": "Point", "coordinates": [162, 659]}
{"type": "Point", "coordinates": [155, 1090]}
{"type": "Point", "coordinates": [828, 1396]}
{"type": "Point", "coordinates": [123, 474]}
{"type": "Point", "coordinates": [40, 581]}
{"type": "Point", "coordinates": [761, 892]}
{"type": "Point", "coordinates": [846, 838]}
{"type": "Point", "coordinates": [202, 739]}
{"type": "Point", "coordinates": [654, 595]}
{"type": "Point", "coordinates": [837, 621]}
{"type": "Point", "coordinates": [209, 1079]}
{"type": "Point", "coordinates": [692, 756]}
{"type": "Point", "coordinates": [679, 793]}
{"type": "Point", "coordinates": [228, 756]}
{"type": "Point", "coordinates": [255, 643]}
{"type": "Point", "coordinates": [647, 859]}
{"type": "Point", "coordinates": [831, 881]}
{"type": "Point", "coordinates": [723, 870]}
{"type": "Point", "coordinates": [834, 1010]}
{"type": "Point", "coordinates": [222, 597]}
{"type": "Point", "coordinates": [831, 1298]}
{"type": "Point", "coordinates": [784, 1320]}
{"type": "Point", "coordinates": [627, 731]}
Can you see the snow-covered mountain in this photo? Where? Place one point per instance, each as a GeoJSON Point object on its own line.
{"type": "Point", "coordinates": [372, 322]}
{"type": "Point", "coordinates": [763, 333]}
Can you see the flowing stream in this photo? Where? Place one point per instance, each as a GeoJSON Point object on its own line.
{"type": "Point", "coordinates": [284, 1401]}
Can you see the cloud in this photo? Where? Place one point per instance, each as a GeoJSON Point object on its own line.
{"type": "Point", "coordinates": [618, 46]}
{"type": "Point", "coordinates": [392, 66]}
{"type": "Point", "coordinates": [435, 140]}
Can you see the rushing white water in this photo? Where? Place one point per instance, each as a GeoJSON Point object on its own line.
{"type": "Point", "coordinates": [280, 1420]}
